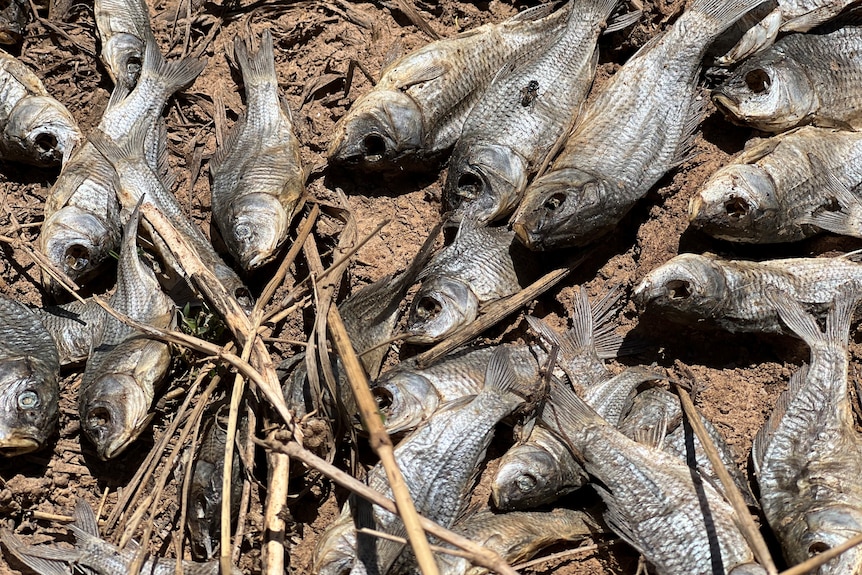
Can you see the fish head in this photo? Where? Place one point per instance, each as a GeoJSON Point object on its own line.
{"type": "Point", "coordinates": [563, 208]}
{"type": "Point", "coordinates": [123, 54]}
{"type": "Point", "coordinates": [528, 476]}
{"type": "Point", "coordinates": [40, 131]}
{"type": "Point", "coordinates": [828, 528]}
{"type": "Point", "coordinates": [687, 287]}
{"type": "Point", "coordinates": [406, 399]}
{"type": "Point", "coordinates": [28, 406]}
{"type": "Point", "coordinates": [739, 203]}
{"type": "Point", "coordinates": [381, 127]}
{"type": "Point", "coordinates": [441, 306]}
{"type": "Point", "coordinates": [77, 242]}
{"type": "Point", "coordinates": [485, 181]}
{"type": "Point", "coordinates": [772, 94]}
{"type": "Point", "coordinates": [257, 227]}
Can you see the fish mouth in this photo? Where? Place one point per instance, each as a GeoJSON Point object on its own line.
{"type": "Point", "coordinates": [17, 444]}
{"type": "Point", "coordinates": [528, 237]}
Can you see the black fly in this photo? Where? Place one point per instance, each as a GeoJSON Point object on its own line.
{"type": "Point", "coordinates": [529, 93]}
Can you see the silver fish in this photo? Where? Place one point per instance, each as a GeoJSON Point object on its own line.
{"type": "Point", "coordinates": [95, 555]}
{"type": "Point", "coordinates": [788, 16]}
{"type": "Point", "coordinates": [118, 384]}
{"type": "Point", "coordinates": [29, 374]}
{"type": "Point", "coordinates": [803, 79]}
{"type": "Point", "coordinates": [34, 127]}
{"type": "Point", "coordinates": [525, 110]}
{"type": "Point", "coordinates": [808, 456]}
{"type": "Point", "coordinates": [653, 500]}
{"type": "Point", "coordinates": [124, 31]}
{"type": "Point", "coordinates": [82, 222]}
{"type": "Point", "coordinates": [476, 268]}
{"type": "Point", "coordinates": [641, 126]}
{"type": "Point", "coordinates": [784, 189]}
{"type": "Point", "coordinates": [730, 294]}
{"type": "Point", "coordinates": [418, 107]}
{"type": "Point", "coordinates": [257, 178]}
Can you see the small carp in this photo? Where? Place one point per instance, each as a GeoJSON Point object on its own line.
{"type": "Point", "coordinates": [29, 375]}
{"type": "Point", "coordinates": [82, 222]}
{"type": "Point", "coordinates": [525, 110]}
{"type": "Point", "coordinates": [13, 17]}
{"type": "Point", "coordinates": [788, 16]}
{"type": "Point", "coordinates": [257, 178]}
{"type": "Point", "coordinates": [95, 555]}
{"type": "Point", "coordinates": [641, 126]}
{"type": "Point", "coordinates": [34, 127]}
{"type": "Point", "coordinates": [655, 502]}
{"type": "Point", "coordinates": [784, 189]}
{"type": "Point", "coordinates": [803, 79]}
{"type": "Point", "coordinates": [118, 384]}
{"type": "Point", "coordinates": [808, 455]}
{"type": "Point", "coordinates": [205, 494]}
{"type": "Point", "coordinates": [417, 109]}
{"type": "Point", "coordinates": [476, 268]}
{"type": "Point", "coordinates": [730, 294]}
{"type": "Point", "coordinates": [124, 31]}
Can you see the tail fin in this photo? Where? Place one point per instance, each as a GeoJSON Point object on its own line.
{"type": "Point", "coordinates": [23, 552]}
{"type": "Point", "coordinates": [257, 66]}
{"type": "Point", "coordinates": [173, 74]}
{"type": "Point", "coordinates": [721, 14]}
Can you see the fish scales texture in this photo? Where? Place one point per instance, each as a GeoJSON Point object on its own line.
{"type": "Point", "coordinates": [654, 501]}
{"type": "Point", "coordinates": [808, 457]}
{"type": "Point", "coordinates": [730, 294]}
{"type": "Point", "coordinates": [124, 30]}
{"type": "Point", "coordinates": [73, 326]}
{"type": "Point", "coordinates": [639, 127]}
{"type": "Point", "coordinates": [802, 79]}
{"type": "Point", "coordinates": [419, 106]}
{"type": "Point", "coordinates": [784, 189]}
{"type": "Point", "coordinates": [524, 111]}
{"type": "Point", "coordinates": [439, 462]}
{"type": "Point", "coordinates": [257, 177]}
{"type": "Point", "coordinates": [29, 374]}
{"type": "Point", "coordinates": [36, 128]}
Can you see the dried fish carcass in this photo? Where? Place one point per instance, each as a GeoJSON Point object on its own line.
{"type": "Point", "coordinates": [639, 127]}
{"type": "Point", "coordinates": [417, 109]}
{"type": "Point", "coordinates": [257, 178]}
{"type": "Point", "coordinates": [526, 109]}
{"type": "Point", "coordinates": [124, 32]}
{"type": "Point", "coordinates": [785, 188]}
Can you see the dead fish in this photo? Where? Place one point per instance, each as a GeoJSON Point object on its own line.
{"type": "Point", "coordinates": [82, 222]}
{"type": "Point", "coordinates": [730, 294]}
{"type": "Point", "coordinates": [29, 374]}
{"type": "Point", "coordinates": [525, 110]}
{"type": "Point", "coordinates": [654, 501]}
{"type": "Point", "coordinates": [476, 268]}
{"type": "Point", "coordinates": [335, 550]}
{"type": "Point", "coordinates": [788, 16]}
{"type": "Point", "coordinates": [784, 189]}
{"type": "Point", "coordinates": [36, 128]}
{"type": "Point", "coordinates": [257, 178]}
{"type": "Point", "coordinates": [124, 31]}
{"type": "Point", "coordinates": [803, 79]}
{"type": "Point", "coordinates": [408, 395]}
{"type": "Point", "coordinates": [95, 555]}
{"type": "Point", "coordinates": [119, 381]}
{"type": "Point", "coordinates": [73, 326]}
{"type": "Point", "coordinates": [808, 455]}
{"type": "Point", "coordinates": [518, 536]}
{"type": "Point", "coordinates": [641, 126]}
{"type": "Point", "coordinates": [13, 17]}
{"type": "Point", "coordinates": [205, 494]}
{"type": "Point", "coordinates": [418, 107]}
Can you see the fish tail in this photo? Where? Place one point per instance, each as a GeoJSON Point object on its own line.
{"type": "Point", "coordinates": [721, 14]}
{"type": "Point", "coordinates": [53, 564]}
{"type": "Point", "coordinates": [85, 519]}
{"type": "Point", "coordinates": [838, 320]}
{"type": "Point", "coordinates": [173, 74]}
{"type": "Point", "coordinates": [261, 64]}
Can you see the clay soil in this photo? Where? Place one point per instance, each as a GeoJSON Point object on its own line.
{"type": "Point", "coordinates": [327, 54]}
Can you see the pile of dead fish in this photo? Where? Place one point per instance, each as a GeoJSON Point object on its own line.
{"type": "Point", "coordinates": [507, 103]}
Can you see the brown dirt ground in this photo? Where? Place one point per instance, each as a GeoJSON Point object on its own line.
{"type": "Point", "coordinates": [738, 376]}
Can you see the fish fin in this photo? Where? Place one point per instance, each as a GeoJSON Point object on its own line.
{"type": "Point", "coordinates": [545, 331]}
{"type": "Point", "coordinates": [795, 317]}
{"type": "Point", "coordinates": [565, 412]}
{"type": "Point", "coordinates": [623, 21]}
{"type": "Point", "coordinates": [609, 345]}
{"type": "Point", "coordinates": [85, 518]}
{"type": "Point", "coordinates": [764, 435]}
{"type": "Point", "coordinates": [841, 314]}
{"type": "Point", "coordinates": [118, 94]}
{"type": "Point", "coordinates": [163, 166]}
{"type": "Point", "coordinates": [619, 523]}
{"type": "Point", "coordinates": [410, 275]}
{"type": "Point", "coordinates": [500, 375]}
{"type": "Point", "coordinates": [261, 64]}
{"type": "Point", "coordinates": [129, 147]}
{"type": "Point", "coordinates": [228, 147]}
{"type": "Point", "coordinates": [652, 436]}
{"type": "Point", "coordinates": [422, 74]}
{"type": "Point", "coordinates": [685, 149]}
{"type": "Point", "coordinates": [534, 13]}
{"type": "Point", "coordinates": [840, 223]}
{"type": "Point", "coordinates": [23, 552]}
{"type": "Point", "coordinates": [843, 221]}
{"type": "Point", "coordinates": [174, 74]}
{"type": "Point", "coordinates": [757, 148]}
{"type": "Point", "coordinates": [625, 385]}
{"type": "Point", "coordinates": [723, 13]}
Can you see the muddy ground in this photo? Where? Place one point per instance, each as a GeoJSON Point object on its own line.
{"type": "Point", "coordinates": [317, 44]}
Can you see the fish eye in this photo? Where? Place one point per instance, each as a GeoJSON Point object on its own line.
{"type": "Point", "coordinates": [28, 400]}
{"type": "Point", "coordinates": [383, 397]}
{"type": "Point", "coordinates": [469, 186]}
{"type": "Point", "coordinates": [45, 143]}
{"type": "Point", "coordinates": [678, 289]}
{"type": "Point", "coordinates": [77, 257]}
{"type": "Point", "coordinates": [374, 146]}
{"type": "Point", "coordinates": [758, 80]}
{"type": "Point", "coordinates": [817, 547]}
{"type": "Point", "coordinates": [243, 231]}
{"type": "Point", "coordinates": [428, 308]}
{"type": "Point", "coordinates": [736, 207]}
{"type": "Point", "coordinates": [555, 201]}
{"type": "Point", "coordinates": [526, 482]}
{"type": "Point", "coordinates": [133, 66]}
